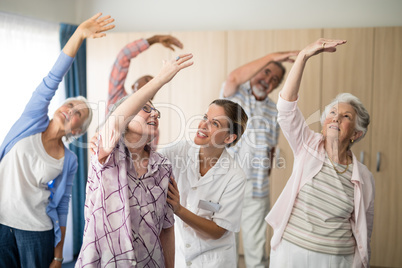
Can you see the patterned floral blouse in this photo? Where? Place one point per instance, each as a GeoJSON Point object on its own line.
{"type": "Point", "coordinates": [124, 213]}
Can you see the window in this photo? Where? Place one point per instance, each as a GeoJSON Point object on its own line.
{"type": "Point", "coordinates": [28, 50]}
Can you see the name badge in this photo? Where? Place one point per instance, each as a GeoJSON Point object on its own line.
{"type": "Point", "coordinates": [210, 206]}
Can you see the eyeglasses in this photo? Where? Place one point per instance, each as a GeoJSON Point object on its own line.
{"type": "Point", "coordinates": [148, 109]}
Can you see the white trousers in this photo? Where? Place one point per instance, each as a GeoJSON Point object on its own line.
{"type": "Point", "coordinates": [288, 255]}
{"type": "Point", "coordinates": [254, 229]}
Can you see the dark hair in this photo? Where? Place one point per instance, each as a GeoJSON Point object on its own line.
{"type": "Point", "coordinates": [237, 118]}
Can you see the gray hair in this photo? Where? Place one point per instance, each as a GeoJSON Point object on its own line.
{"type": "Point", "coordinates": [363, 117]}
{"type": "Point", "coordinates": [70, 137]}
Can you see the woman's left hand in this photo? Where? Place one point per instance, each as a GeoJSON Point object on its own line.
{"type": "Point", "coordinates": [174, 195]}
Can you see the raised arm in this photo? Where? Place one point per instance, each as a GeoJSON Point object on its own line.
{"type": "Point", "coordinates": [121, 65]}
{"type": "Point", "coordinates": [118, 120]}
{"type": "Point", "coordinates": [291, 88]}
{"type": "Point", "coordinates": [249, 70]}
{"type": "Point", "coordinates": [93, 27]}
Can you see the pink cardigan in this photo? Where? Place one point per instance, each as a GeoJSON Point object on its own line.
{"type": "Point", "coordinates": [309, 155]}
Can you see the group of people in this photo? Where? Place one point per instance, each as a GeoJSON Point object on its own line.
{"type": "Point", "coordinates": [144, 208]}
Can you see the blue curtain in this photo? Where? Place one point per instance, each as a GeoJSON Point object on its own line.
{"type": "Point", "coordinates": [76, 85]}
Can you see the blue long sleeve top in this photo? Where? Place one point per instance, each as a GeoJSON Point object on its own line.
{"type": "Point", "coordinates": [35, 119]}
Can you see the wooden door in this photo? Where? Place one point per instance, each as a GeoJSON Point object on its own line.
{"type": "Point", "coordinates": [386, 140]}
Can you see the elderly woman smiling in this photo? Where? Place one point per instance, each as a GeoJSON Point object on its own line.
{"type": "Point", "coordinates": [324, 216]}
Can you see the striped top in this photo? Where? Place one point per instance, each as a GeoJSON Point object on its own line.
{"type": "Point", "coordinates": [320, 219]}
{"type": "Point", "coordinates": [253, 150]}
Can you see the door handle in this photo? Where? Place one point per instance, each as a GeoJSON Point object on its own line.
{"type": "Point", "coordinates": [378, 161]}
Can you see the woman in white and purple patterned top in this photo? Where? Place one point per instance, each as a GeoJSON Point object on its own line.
{"type": "Point", "coordinates": [128, 222]}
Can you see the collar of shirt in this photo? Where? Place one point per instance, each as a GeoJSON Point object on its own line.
{"type": "Point", "coordinates": [221, 167]}
{"type": "Point", "coordinates": [154, 161]}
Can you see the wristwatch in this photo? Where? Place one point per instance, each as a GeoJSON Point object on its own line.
{"type": "Point", "coordinates": [58, 259]}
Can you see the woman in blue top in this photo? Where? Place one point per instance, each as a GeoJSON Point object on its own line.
{"type": "Point", "coordinates": [32, 219]}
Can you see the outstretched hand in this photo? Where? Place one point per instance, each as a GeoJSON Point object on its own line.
{"type": "Point", "coordinates": [172, 67]}
{"type": "Point", "coordinates": [322, 45]}
{"type": "Point", "coordinates": [95, 27]}
{"type": "Point", "coordinates": [166, 40]}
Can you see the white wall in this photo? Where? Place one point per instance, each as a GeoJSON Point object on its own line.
{"type": "Point", "coordinates": [47, 10]}
{"type": "Point", "coordinates": [207, 15]}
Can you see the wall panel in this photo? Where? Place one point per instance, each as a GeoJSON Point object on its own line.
{"type": "Point", "coordinates": [386, 139]}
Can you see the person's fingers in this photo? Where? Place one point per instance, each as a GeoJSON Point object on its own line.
{"type": "Point", "coordinates": [104, 18]}
{"type": "Point", "coordinates": [173, 182]}
{"type": "Point", "coordinates": [107, 28]}
{"type": "Point", "coordinates": [170, 194]}
{"type": "Point", "coordinates": [96, 16]}
{"type": "Point", "coordinates": [177, 43]}
{"type": "Point", "coordinates": [106, 22]}
{"type": "Point", "coordinates": [98, 35]}
{"type": "Point", "coordinates": [183, 58]}
{"type": "Point", "coordinates": [169, 47]}
{"type": "Point", "coordinates": [173, 189]}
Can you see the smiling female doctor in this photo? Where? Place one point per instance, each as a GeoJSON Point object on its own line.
{"type": "Point", "coordinates": [207, 198]}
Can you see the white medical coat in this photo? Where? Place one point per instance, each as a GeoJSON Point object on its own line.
{"type": "Point", "coordinates": [222, 186]}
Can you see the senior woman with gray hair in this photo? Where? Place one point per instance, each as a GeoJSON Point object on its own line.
{"type": "Point", "coordinates": [33, 214]}
{"type": "Point", "coordinates": [324, 216]}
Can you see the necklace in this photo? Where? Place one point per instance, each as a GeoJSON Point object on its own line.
{"type": "Point", "coordinates": [337, 171]}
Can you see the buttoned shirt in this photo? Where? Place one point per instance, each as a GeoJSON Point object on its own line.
{"type": "Point", "coordinates": [216, 196]}
{"type": "Point", "coordinates": [125, 213]}
{"type": "Point", "coordinates": [309, 156]}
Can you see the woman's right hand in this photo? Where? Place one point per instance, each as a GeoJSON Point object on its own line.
{"type": "Point", "coordinates": [321, 45]}
{"type": "Point", "coordinates": [172, 67]}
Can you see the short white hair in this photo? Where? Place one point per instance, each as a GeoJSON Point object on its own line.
{"type": "Point", "coordinates": [363, 117]}
{"type": "Point", "coordinates": [70, 137]}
